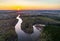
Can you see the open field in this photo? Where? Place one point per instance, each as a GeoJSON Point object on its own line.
{"type": "Point", "coordinates": [49, 33]}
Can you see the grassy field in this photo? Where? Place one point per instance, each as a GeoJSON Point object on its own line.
{"type": "Point", "coordinates": [49, 33]}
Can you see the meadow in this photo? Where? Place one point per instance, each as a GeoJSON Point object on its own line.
{"type": "Point", "coordinates": [49, 33]}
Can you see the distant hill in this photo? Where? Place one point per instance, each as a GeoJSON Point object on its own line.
{"type": "Point", "coordinates": [33, 12]}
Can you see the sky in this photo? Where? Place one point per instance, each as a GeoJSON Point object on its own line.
{"type": "Point", "coordinates": [30, 4]}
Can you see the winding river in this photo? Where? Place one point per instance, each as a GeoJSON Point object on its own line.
{"type": "Point", "coordinates": [22, 36]}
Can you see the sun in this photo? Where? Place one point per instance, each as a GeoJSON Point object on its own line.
{"type": "Point", "coordinates": [18, 9]}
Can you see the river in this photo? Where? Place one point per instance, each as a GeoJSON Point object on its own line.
{"type": "Point", "coordinates": [22, 36]}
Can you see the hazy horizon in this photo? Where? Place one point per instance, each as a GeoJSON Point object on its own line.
{"type": "Point", "coordinates": [30, 4]}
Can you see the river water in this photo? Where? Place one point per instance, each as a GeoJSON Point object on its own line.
{"type": "Point", "coordinates": [22, 36]}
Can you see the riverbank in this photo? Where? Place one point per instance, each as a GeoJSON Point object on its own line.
{"type": "Point", "coordinates": [50, 33]}
{"type": "Point", "coordinates": [8, 21]}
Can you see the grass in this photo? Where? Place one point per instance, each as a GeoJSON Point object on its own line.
{"type": "Point", "coordinates": [8, 35]}
{"type": "Point", "coordinates": [50, 33]}
{"type": "Point", "coordinates": [8, 32]}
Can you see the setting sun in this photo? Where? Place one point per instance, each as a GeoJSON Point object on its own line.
{"type": "Point", "coordinates": [30, 4]}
